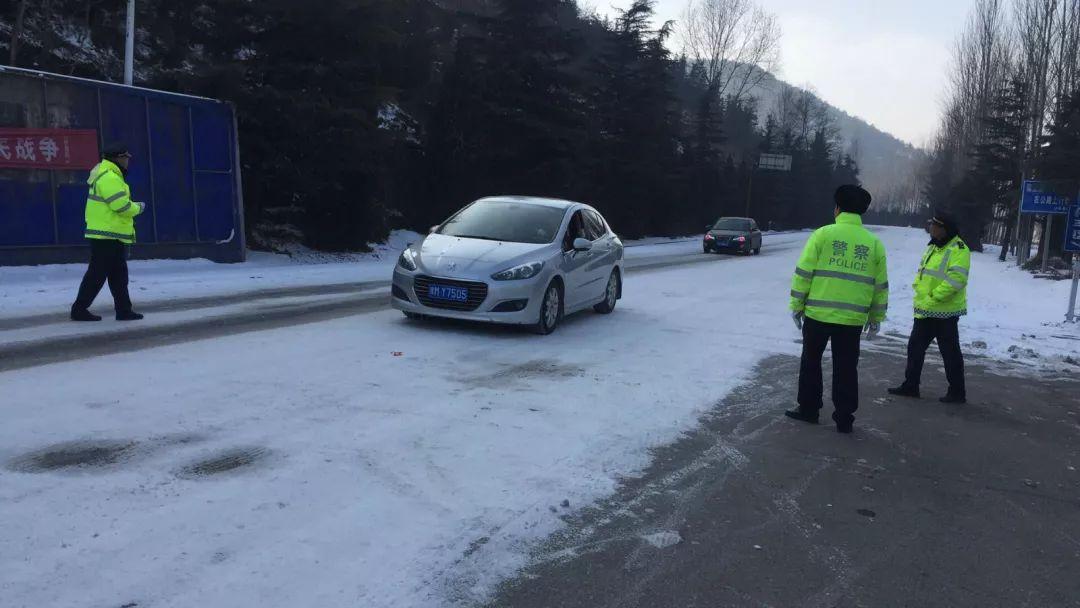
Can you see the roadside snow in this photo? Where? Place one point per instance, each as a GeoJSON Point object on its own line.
{"type": "Point", "coordinates": [369, 461]}
{"type": "Point", "coordinates": [29, 290]}
{"type": "Point", "coordinates": [34, 290]}
{"type": "Point", "coordinates": [1011, 312]}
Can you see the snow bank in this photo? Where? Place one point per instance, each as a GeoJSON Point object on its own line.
{"type": "Point", "coordinates": [1013, 316]}
{"type": "Point", "coordinates": [28, 290]}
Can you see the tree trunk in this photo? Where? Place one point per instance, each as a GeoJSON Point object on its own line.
{"type": "Point", "coordinates": [16, 34]}
{"type": "Point", "coordinates": [1054, 238]}
{"type": "Point", "coordinates": [1006, 240]}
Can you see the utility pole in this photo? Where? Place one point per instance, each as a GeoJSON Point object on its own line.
{"type": "Point", "coordinates": [129, 45]}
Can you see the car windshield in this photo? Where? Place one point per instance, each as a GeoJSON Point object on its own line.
{"type": "Point", "coordinates": [506, 221]}
{"type": "Point", "coordinates": [730, 224]}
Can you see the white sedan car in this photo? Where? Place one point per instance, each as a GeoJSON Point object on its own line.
{"type": "Point", "coordinates": [515, 260]}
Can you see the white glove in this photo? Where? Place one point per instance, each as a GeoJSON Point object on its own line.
{"type": "Point", "coordinates": [872, 329]}
{"type": "Point", "coordinates": [798, 318]}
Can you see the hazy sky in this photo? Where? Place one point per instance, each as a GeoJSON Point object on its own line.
{"type": "Point", "coordinates": [881, 60]}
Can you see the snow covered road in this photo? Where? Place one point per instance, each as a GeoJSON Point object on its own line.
{"type": "Point", "coordinates": [356, 287]}
{"type": "Point", "coordinates": [369, 461]}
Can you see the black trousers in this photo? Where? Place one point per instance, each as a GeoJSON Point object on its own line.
{"type": "Point", "coordinates": [846, 342]}
{"type": "Point", "coordinates": [108, 262]}
{"type": "Point", "coordinates": [947, 334]}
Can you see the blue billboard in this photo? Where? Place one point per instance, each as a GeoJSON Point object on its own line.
{"type": "Point", "coordinates": [185, 167]}
{"type": "Point", "coordinates": [1038, 198]}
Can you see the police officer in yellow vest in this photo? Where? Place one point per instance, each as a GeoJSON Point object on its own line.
{"type": "Point", "coordinates": [940, 301]}
{"type": "Point", "coordinates": [840, 289]}
{"type": "Point", "coordinates": [110, 228]}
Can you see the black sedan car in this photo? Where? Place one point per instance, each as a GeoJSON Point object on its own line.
{"type": "Point", "coordinates": [733, 234]}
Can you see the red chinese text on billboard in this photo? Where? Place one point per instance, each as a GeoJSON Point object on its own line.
{"type": "Point", "coordinates": [62, 149]}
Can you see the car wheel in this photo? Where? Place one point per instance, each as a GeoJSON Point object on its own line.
{"type": "Point", "coordinates": [611, 295]}
{"type": "Point", "coordinates": [705, 250]}
{"type": "Point", "coordinates": [757, 251]}
{"type": "Point", "coordinates": [551, 309]}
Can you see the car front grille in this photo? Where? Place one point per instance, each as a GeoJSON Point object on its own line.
{"type": "Point", "coordinates": [477, 293]}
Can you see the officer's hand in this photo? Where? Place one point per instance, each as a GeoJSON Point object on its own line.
{"type": "Point", "coordinates": [872, 329]}
{"type": "Point", "coordinates": [798, 318]}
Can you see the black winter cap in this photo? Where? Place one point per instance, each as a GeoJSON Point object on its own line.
{"type": "Point", "coordinates": [852, 199]}
{"type": "Point", "coordinates": [114, 149]}
{"type": "Point", "coordinates": [947, 221]}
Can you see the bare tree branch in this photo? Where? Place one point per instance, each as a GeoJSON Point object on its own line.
{"type": "Point", "coordinates": [736, 42]}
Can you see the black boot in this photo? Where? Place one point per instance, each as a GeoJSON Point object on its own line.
{"type": "Point", "coordinates": [844, 424]}
{"type": "Point", "coordinates": [954, 398]}
{"type": "Point", "coordinates": [905, 391]}
{"type": "Point", "coordinates": [799, 414]}
{"type": "Point", "coordinates": [128, 316]}
{"type": "Point", "coordinates": [81, 314]}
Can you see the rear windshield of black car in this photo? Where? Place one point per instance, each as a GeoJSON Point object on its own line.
{"type": "Point", "coordinates": [740, 225]}
{"type": "Point", "coordinates": [506, 221]}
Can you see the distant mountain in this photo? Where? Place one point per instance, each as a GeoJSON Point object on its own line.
{"type": "Point", "coordinates": [887, 164]}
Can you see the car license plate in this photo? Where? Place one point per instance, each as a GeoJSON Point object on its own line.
{"type": "Point", "coordinates": [447, 293]}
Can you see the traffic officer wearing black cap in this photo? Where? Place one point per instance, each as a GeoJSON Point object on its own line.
{"type": "Point", "coordinates": [840, 289]}
{"type": "Point", "coordinates": [110, 229]}
{"type": "Point", "coordinates": [940, 301]}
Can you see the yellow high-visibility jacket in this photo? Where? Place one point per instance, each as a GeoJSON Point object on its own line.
{"type": "Point", "coordinates": [842, 276]}
{"type": "Point", "coordinates": [941, 285]}
{"type": "Point", "coordinates": [110, 212]}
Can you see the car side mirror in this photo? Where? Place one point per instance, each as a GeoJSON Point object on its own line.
{"type": "Point", "coordinates": [582, 244]}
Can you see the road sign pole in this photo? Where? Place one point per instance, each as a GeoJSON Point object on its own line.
{"type": "Point", "coordinates": [1070, 315]}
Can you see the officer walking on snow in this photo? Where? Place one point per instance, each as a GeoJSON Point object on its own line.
{"type": "Point", "coordinates": [940, 301]}
{"type": "Point", "coordinates": [840, 288]}
{"type": "Point", "coordinates": [110, 228]}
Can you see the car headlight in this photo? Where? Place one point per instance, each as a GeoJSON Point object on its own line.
{"type": "Point", "coordinates": [407, 260]}
{"type": "Point", "coordinates": [525, 271]}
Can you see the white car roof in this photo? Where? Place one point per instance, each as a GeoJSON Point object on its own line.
{"type": "Point", "coordinates": [533, 200]}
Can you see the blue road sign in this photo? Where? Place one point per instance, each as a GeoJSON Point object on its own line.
{"type": "Point", "coordinates": [1072, 230]}
{"type": "Point", "coordinates": [1036, 200]}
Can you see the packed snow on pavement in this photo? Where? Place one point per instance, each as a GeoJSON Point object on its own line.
{"type": "Point", "coordinates": [175, 292]}
{"type": "Point", "coordinates": [33, 290]}
{"type": "Point", "coordinates": [371, 461]}
{"type": "Point", "coordinates": [28, 290]}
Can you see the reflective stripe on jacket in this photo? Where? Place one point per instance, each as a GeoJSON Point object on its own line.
{"type": "Point", "coordinates": [842, 276]}
{"type": "Point", "coordinates": [941, 285]}
{"type": "Point", "coordinates": [110, 212]}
